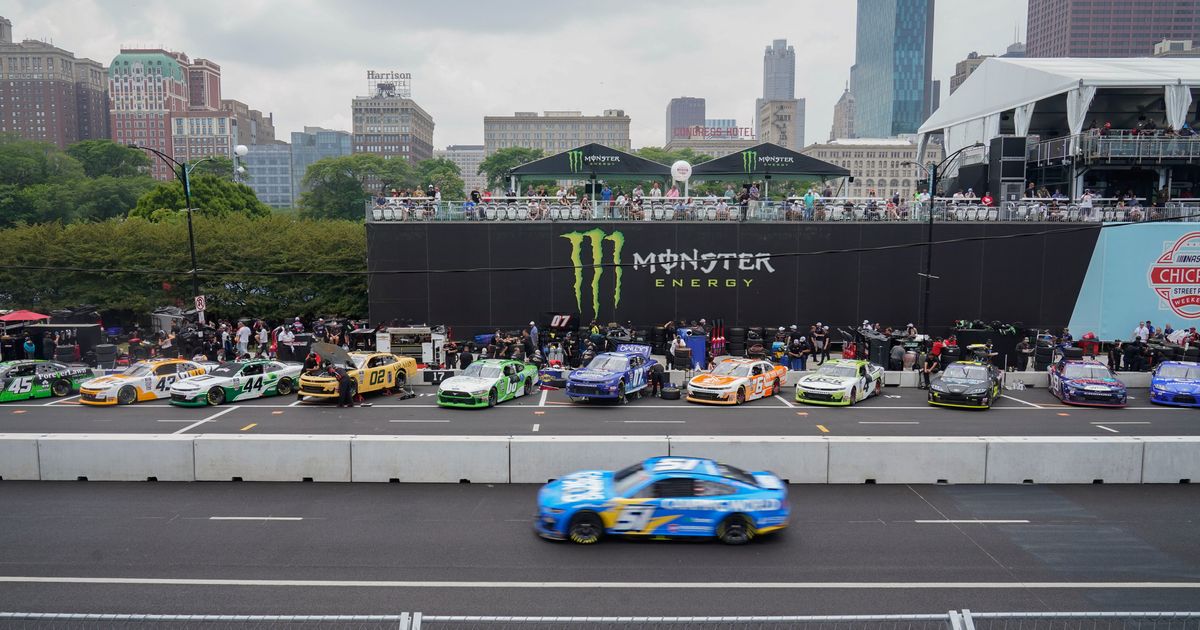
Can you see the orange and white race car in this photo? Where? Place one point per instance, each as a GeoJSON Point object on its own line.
{"type": "Point", "coordinates": [142, 381]}
{"type": "Point", "coordinates": [734, 381]}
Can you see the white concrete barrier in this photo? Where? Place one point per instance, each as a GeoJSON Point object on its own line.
{"type": "Point", "coordinates": [116, 457]}
{"type": "Point", "coordinates": [1064, 459]}
{"type": "Point", "coordinates": [1030, 379]}
{"type": "Point", "coordinates": [799, 459]}
{"type": "Point", "coordinates": [907, 459]}
{"type": "Point", "coordinates": [19, 457]}
{"type": "Point", "coordinates": [1135, 379]}
{"type": "Point", "coordinates": [429, 458]}
{"type": "Point", "coordinates": [1170, 459]}
{"type": "Point", "coordinates": [272, 457]}
{"type": "Point", "coordinates": [537, 458]}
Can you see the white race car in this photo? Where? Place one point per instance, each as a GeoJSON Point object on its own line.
{"type": "Point", "coordinates": [840, 382]}
{"type": "Point", "coordinates": [232, 382]}
{"type": "Point", "coordinates": [142, 381]}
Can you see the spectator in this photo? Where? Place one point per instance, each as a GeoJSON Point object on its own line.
{"type": "Point", "coordinates": [1024, 352]}
{"type": "Point", "coordinates": [896, 357]}
{"type": "Point", "coordinates": [49, 345]}
{"type": "Point", "coordinates": [1142, 332]}
{"type": "Point", "coordinates": [820, 342]}
{"type": "Point", "coordinates": [464, 358]}
{"type": "Point", "coordinates": [30, 349]}
{"type": "Point", "coordinates": [243, 339]}
{"type": "Point", "coordinates": [297, 326]}
{"type": "Point", "coordinates": [673, 192]}
{"type": "Point", "coordinates": [1114, 356]}
{"type": "Point", "coordinates": [1085, 204]}
{"type": "Point", "coordinates": [655, 191]}
{"type": "Point", "coordinates": [606, 195]}
{"type": "Point", "coordinates": [930, 366]}
{"type": "Point", "coordinates": [283, 344]}
{"type": "Point", "coordinates": [797, 352]}
{"type": "Point", "coordinates": [987, 200]}
{"type": "Point", "coordinates": [729, 194]}
{"type": "Point", "coordinates": [263, 338]}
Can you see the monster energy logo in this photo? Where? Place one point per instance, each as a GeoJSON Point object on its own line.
{"type": "Point", "coordinates": [749, 158]}
{"type": "Point", "coordinates": [575, 158]}
{"type": "Point", "coordinates": [596, 239]}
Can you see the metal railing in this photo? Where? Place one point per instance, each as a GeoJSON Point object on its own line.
{"type": "Point", "coordinates": [1116, 146]}
{"type": "Point", "coordinates": [952, 620]}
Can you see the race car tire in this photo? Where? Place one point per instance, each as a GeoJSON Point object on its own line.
{"type": "Point", "coordinates": [528, 386]}
{"type": "Point", "coordinates": [622, 397]}
{"type": "Point", "coordinates": [670, 393]}
{"type": "Point", "coordinates": [878, 387]}
{"type": "Point", "coordinates": [735, 530]}
{"type": "Point", "coordinates": [736, 334]}
{"type": "Point", "coordinates": [126, 395]}
{"type": "Point", "coordinates": [741, 395]}
{"type": "Point", "coordinates": [776, 388]}
{"type": "Point", "coordinates": [60, 388]}
{"type": "Point", "coordinates": [492, 398]}
{"type": "Point", "coordinates": [585, 529]}
{"type": "Point", "coordinates": [284, 388]}
{"type": "Point", "coordinates": [215, 396]}
{"type": "Point", "coordinates": [853, 395]}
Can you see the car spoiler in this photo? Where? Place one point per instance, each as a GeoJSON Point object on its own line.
{"type": "Point", "coordinates": [634, 348]}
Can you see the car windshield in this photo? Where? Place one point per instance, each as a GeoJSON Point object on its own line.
{"type": "Point", "coordinates": [840, 371]}
{"type": "Point", "coordinates": [732, 368]}
{"type": "Point", "coordinates": [628, 479]}
{"type": "Point", "coordinates": [358, 360]}
{"type": "Point", "coordinates": [227, 369]}
{"type": "Point", "coordinates": [733, 472]}
{"type": "Point", "coordinates": [1179, 371]}
{"type": "Point", "coordinates": [479, 370]}
{"type": "Point", "coordinates": [1087, 371]}
{"type": "Point", "coordinates": [610, 363]}
{"type": "Point", "coordinates": [967, 372]}
{"type": "Point", "coordinates": [137, 369]}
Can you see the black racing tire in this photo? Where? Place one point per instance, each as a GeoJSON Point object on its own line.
{"type": "Point", "coordinates": [622, 397]}
{"type": "Point", "coordinates": [60, 388]}
{"type": "Point", "coordinates": [585, 529]}
{"type": "Point", "coordinates": [741, 396]}
{"type": "Point", "coordinates": [215, 396]}
{"type": "Point", "coordinates": [878, 387]}
{"type": "Point", "coordinates": [528, 386]}
{"type": "Point", "coordinates": [353, 389]}
{"type": "Point", "coordinates": [284, 388]}
{"type": "Point", "coordinates": [126, 395]}
{"type": "Point", "coordinates": [853, 395]}
{"type": "Point", "coordinates": [492, 398]}
{"type": "Point", "coordinates": [776, 388]}
{"type": "Point", "coordinates": [735, 530]}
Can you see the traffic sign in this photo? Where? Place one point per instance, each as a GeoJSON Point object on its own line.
{"type": "Point", "coordinates": [200, 303]}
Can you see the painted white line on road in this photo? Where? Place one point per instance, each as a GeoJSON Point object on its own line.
{"type": "Point", "coordinates": [542, 401]}
{"type": "Point", "coordinates": [537, 427]}
{"type": "Point", "coordinates": [785, 401]}
{"type": "Point", "coordinates": [888, 422]}
{"type": "Point", "coordinates": [1119, 423]}
{"type": "Point", "coordinates": [256, 518]}
{"type": "Point", "coordinates": [972, 521]}
{"type": "Point", "coordinates": [180, 420]}
{"type": "Point", "coordinates": [294, 404]}
{"type": "Point", "coordinates": [595, 585]}
{"type": "Point", "coordinates": [208, 419]}
{"type": "Point", "coordinates": [1101, 426]}
{"type": "Point", "coordinates": [419, 421]}
{"type": "Point", "coordinates": [1023, 402]}
{"type": "Point", "coordinates": [653, 421]}
{"type": "Point", "coordinates": [58, 400]}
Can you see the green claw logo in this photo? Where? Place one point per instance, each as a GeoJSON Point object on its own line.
{"type": "Point", "coordinates": [749, 158]}
{"type": "Point", "coordinates": [575, 159]}
{"type": "Point", "coordinates": [596, 239]}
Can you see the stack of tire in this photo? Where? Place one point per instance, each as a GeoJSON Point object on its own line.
{"type": "Point", "coordinates": [1043, 354]}
{"type": "Point", "coordinates": [950, 354]}
{"type": "Point", "coordinates": [1072, 353]}
{"type": "Point", "coordinates": [106, 356]}
{"type": "Point", "coordinates": [642, 335]}
{"type": "Point", "coordinates": [735, 341]}
{"type": "Point", "coordinates": [658, 340]}
{"type": "Point", "coordinates": [64, 354]}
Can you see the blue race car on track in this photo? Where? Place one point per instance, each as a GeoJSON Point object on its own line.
{"type": "Point", "coordinates": [663, 497]}
{"type": "Point", "coordinates": [1087, 383]}
{"type": "Point", "coordinates": [1176, 383]}
{"type": "Point", "coordinates": [612, 375]}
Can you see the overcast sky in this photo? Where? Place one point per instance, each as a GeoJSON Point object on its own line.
{"type": "Point", "coordinates": [304, 60]}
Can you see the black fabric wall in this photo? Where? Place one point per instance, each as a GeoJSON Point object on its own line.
{"type": "Point", "coordinates": [1033, 279]}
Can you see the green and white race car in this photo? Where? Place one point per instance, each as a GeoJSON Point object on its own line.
{"type": "Point", "coordinates": [22, 380]}
{"type": "Point", "coordinates": [840, 382]}
{"type": "Point", "coordinates": [487, 382]}
{"type": "Point", "coordinates": [231, 382]}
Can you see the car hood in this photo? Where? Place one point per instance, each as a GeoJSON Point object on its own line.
{"type": "Point", "coordinates": [591, 375]}
{"type": "Point", "coordinates": [959, 385]}
{"type": "Point", "coordinates": [1095, 384]}
{"type": "Point", "coordinates": [714, 380]}
{"type": "Point", "coordinates": [105, 382]}
{"type": "Point", "coordinates": [466, 383]}
{"type": "Point", "coordinates": [1179, 386]}
{"type": "Point", "coordinates": [578, 487]}
{"type": "Point", "coordinates": [198, 382]}
{"type": "Point", "coordinates": [823, 381]}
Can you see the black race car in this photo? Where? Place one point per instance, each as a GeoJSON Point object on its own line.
{"type": "Point", "coordinates": [966, 384]}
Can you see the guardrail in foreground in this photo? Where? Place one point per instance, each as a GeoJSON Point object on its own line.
{"type": "Point", "coordinates": [952, 620]}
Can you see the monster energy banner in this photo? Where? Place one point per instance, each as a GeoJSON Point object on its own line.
{"type": "Point", "coordinates": [592, 159]}
{"type": "Point", "coordinates": [767, 159]}
{"type": "Point", "coordinates": [747, 274]}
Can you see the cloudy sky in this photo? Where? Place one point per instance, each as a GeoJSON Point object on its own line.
{"type": "Point", "coordinates": [305, 59]}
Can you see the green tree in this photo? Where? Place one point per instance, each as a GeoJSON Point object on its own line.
{"type": "Point", "coordinates": [25, 162]}
{"type": "Point", "coordinates": [498, 165]}
{"type": "Point", "coordinates": [210, 195]}
{"type": "Point", "coordinates": [216, 166]}
{"type": "Point", "coordinates": [105, 157]}
{"type": "Point", "coordinates": [337, 185]}
{"type": "Point", "coordinates": [443, 174]}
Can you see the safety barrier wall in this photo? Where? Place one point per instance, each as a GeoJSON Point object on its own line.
{"type": "Point", "coordinates": [536, 459]}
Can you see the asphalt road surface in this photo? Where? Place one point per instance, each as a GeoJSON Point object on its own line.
{"type": "Point", "coordinates": [900, 411]}
{"type": "Point", "coordinates": [469, 549]}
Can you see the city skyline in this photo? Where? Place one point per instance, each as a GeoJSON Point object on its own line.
{"type": "Point", "coordinates": [269, 59]}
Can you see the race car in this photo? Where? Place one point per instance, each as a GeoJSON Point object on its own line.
{"type": "Point", "coordinates": [142, 381]}
{"type": "Point", "coordinates": [373, 372]}
{"type": "Point", "coordinates": [612, 375]}
{"type": "Point", "coordinates": [966, 384]}
{"type": "Point", "coordinates": [487, 382]}
{"type": "Point", "coordinates": [663, 497]}
{"type": "Point", "coordinates": [1176, 383]}
{"type": "Point", "coordinates": [1087, 383]}
{"type": "Point", "coordinates": [232, 382]}
{"type": "Point", "coordinates": [23, 380]}
{"type": "Point", "coordinates": [735, 381]}
{"type": "Point", "coordinates": [840, 382]}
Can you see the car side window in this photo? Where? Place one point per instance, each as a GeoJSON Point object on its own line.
{"type": "Point", "coordinates": [510, 369]}
{"type": "Point", "coordinates": [45, 368]}
{"type": "Point", "coordinates": [668, 488]}
{"type": "Point", "coordinates": [252, 370]}
{"type": "Point", "coordinates": [757, 370]}
{"type": "Point", "coordinates": [165, 370]}
{"type": "Point", "coordinates": [706, 488]}
{"type": "Point", "coordinates": [23, 370]}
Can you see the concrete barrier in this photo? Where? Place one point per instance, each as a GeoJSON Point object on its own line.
{"type": "Point", "coordinates": [116, 457]}
{"type": "Point", "coordinates": [538, 458]}
{"type": "Point", "coordinates": [1135, 379]}
{"type": "Point", "coordinates": [1170, 459]}
{"type": "Point", "coordinates": [429, 458]}
{"type": "Point", "coordinates": [799, 459]}
{"type": "Point", "coordinates": [19, 457]}
{"type": "Point", "coordinates": [1064, 460]}
{"type": "Point", "coordinates": [907, 459]}
{"type": "Point", "coordinates": [272, 457]}
{"type": "Point", "coordinates": [1030, 379]}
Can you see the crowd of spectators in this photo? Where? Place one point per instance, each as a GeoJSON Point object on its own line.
{"type": "Point", "coordinates": [241, 339]}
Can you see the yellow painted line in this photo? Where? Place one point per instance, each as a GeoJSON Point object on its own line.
{"type": "Point", "coordinates": [539, 413]}
{"type": "Point", "coordinates": [801, 413]}
{"type": "Point", "coordinates": [18, 411]}
{"type": "Point", "coordinates": [1063, 414]}
{"type": "Point", "coordinates": [822, 428]}
{"type": "Point", "coordinates": [249, 426]}
{"type": "Point", "coordinates": [276, 413]}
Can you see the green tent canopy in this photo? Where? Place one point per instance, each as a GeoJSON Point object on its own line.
{"type": "Point", "coordinates": [592, 161]}
{"type": "Point", "coordinates": [767, 160]}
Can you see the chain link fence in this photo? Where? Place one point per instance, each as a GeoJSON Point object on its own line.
{"type": "Point", "coordinates": [953, 620]}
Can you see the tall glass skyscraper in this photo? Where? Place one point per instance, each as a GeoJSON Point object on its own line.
{"type": "Point", "coordinates": [310, 145]}
{"type": "Point", "coordinates": [779, 71]}
{"type": "Point", "coordinates": [893, 65]}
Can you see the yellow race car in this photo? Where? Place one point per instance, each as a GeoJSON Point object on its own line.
{"type": "Point", "coordinates": [373, 372]}
{"type": "Point", "coordinates": [142, 381]}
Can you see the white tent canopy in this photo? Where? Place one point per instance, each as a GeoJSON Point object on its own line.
{"type": "Point", "coordinates": [1001, 84]}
